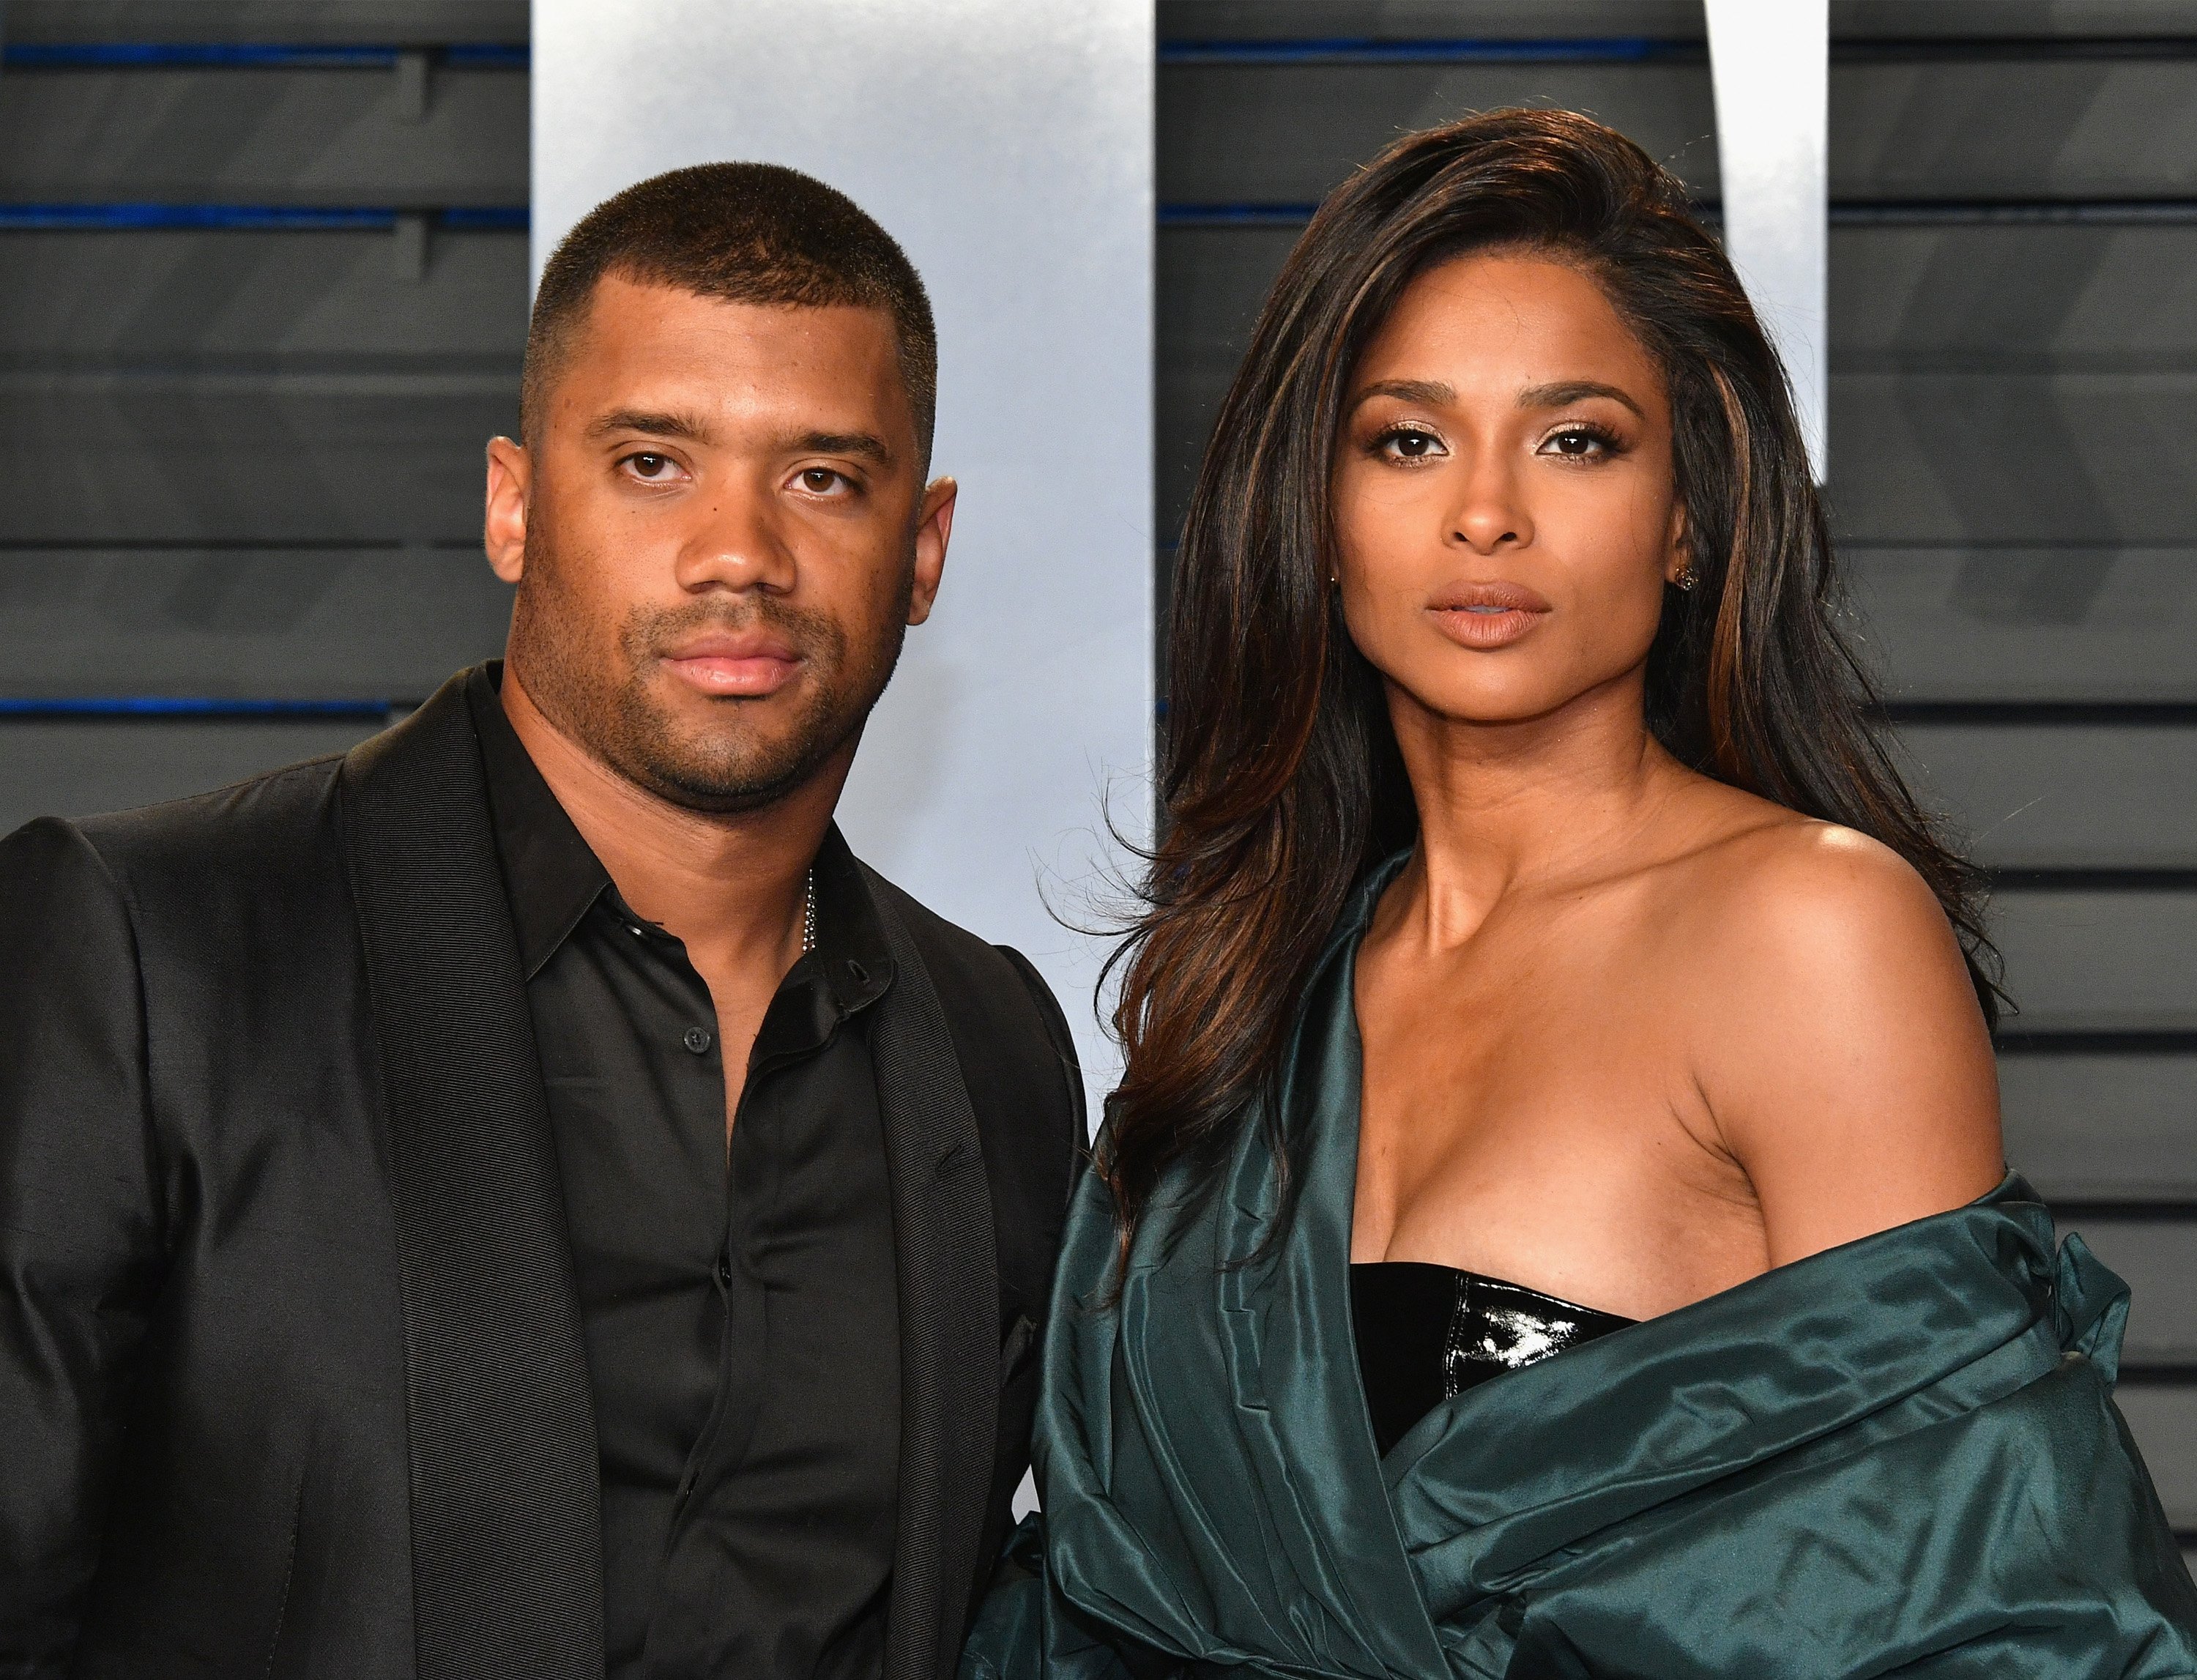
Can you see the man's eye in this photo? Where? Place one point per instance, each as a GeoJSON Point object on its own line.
{"type": "Point", "coordinates": [646, 466]}
{"type": "Point", "coordinates": [820, 480]}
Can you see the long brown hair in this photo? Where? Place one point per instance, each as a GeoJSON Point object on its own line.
{"type": "Point", "coordinates": [1280, 781]}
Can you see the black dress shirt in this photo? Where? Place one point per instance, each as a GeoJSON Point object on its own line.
{"type": "Point", "coordinates": [738, 1302]}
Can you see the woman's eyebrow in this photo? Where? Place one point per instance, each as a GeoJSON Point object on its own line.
{"type": "Point", "coordinates": [1571, 390]}
{"type": "Point", "coordinates": [1407, 390]}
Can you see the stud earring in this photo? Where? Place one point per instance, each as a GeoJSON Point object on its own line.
{"type": "Point", "coordinates": [1686, 579]}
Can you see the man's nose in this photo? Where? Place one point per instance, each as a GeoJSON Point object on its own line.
{"type": "Point", "coordinates": [737, 541]}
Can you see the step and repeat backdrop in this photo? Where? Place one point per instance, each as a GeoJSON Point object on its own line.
{"type": "Point", "coordinates": [264, 274]}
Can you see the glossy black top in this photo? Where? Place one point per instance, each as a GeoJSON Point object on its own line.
{"type": "Point", "coordinates": [1426, 1333]}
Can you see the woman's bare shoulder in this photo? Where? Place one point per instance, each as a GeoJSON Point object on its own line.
{"type": "Point", "coordinates": [1835, 1032]}
{"type": "Point", "coordinates": [1782, 878]}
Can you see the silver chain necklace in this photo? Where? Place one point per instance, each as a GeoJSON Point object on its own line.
{"type": "Point", "coordinates": [808, 917]}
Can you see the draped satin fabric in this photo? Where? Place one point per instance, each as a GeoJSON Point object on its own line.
{"type": "Point", "coordinates": [1900, 1456]}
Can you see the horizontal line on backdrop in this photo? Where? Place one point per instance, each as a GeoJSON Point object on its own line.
{"type": "Point", "coordinates": [1844, 213]}
{"type": "Point", "coordinates": [207, 382]}
{"type": "Point", "coordinates": [188, 706]}
{"type": "Point", "coordinates": [1365, 50]}
{"type": "Point", "coordinates": [2067, 712]}
{"type": "Point", "coordinates": [2168, 1210]}
{"type": "Point", "coordinates": [512, 218]}
{"type": "Point", "coordinates": [2112, 213]}
{"type": "Point", "coordinates": [247, 545]}
{"type": "Point", "coordinates": [2012, 1038]}
{"type": "Point", "coordinates": [2078, 879]}
{"type": "Point", "coordinates": [2164, 1373]}
{"type": "Point", "coordinates": [223, 55]}
{"type": "Point", "coordinates": [1639, 49]}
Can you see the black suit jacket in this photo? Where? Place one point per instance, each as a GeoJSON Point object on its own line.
{"type": "Point", "coordinates": [291, 1375]}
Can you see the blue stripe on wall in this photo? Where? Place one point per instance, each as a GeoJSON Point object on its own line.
{"type": "Point", "coordinates": [23, 216]}
{"type": "Point", "coordinates": [130, 54]}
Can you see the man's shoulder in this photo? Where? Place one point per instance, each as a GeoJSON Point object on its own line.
{"type": "Point", "coordinates": [996, 1002]}
{"type": "Point", "coordinates": [242, 829]}
{"type": "Point", "coordinates": [961, 962]}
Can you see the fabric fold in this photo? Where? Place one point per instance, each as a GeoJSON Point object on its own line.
{"type": "Point", "coordinates": [1898, 1456]}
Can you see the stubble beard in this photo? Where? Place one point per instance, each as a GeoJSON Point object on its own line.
{"type": "Point", "coordinates": [603, 699]}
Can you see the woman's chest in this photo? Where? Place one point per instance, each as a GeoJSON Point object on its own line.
{"type": "Point", "coordinates": [1533, 1115]}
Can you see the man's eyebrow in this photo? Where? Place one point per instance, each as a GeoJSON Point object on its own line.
{"type": "Point", "coordinates": [656, 424]}
{"type": "Point", "coordinates": [1571, 390]}
{"type": "Point", "coordinates": [1406, 391]}
{"type": "Point", "coordinates": [867, 445]}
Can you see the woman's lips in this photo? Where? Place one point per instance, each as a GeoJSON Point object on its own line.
{"type": "Point", "coordinates": [1488, 614]}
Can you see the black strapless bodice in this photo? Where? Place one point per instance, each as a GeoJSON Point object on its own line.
{"type": "Point", "coordinates": [1425, 1333]}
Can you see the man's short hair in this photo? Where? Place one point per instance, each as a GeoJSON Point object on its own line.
{"type": "Point", "coordinates": [746, 233]}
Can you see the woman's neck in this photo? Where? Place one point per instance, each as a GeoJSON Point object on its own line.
{"type": "Point", "coordinates": [1526, 805]}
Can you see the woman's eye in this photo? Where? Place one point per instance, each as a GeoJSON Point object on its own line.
{"type": "Point", "coordinates": [1411, 445]}
{"type": "Point", "coordinates": [1578, 443]}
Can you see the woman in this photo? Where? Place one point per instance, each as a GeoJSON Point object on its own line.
{"type": "Point", "coordinates": [1553, 1221]}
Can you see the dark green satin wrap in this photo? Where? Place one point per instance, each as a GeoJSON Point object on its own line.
{"type": "Point", "coordinates": [1899, 1457]}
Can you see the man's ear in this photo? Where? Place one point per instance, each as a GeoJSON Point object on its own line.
{"type": "Point", "coordinates": [503, 526]}
{"type": "Point", "coordinates": [934, 525]}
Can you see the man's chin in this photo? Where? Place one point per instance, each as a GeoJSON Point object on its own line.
{"type": "Point", "coordinates": [724, 771]}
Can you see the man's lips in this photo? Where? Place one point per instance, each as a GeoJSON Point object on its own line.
{"type": "Point", "coordinates": [747, 664]}
{"type": "Point", "coordinates": [1488, 614]}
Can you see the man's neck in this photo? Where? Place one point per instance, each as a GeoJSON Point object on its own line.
{"type": "Point", "coordinates": [730, 886]}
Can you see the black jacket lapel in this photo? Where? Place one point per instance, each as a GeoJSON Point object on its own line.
{"type": "Point", "coordinates": [949, 1294]}
{"type": "Point", "coordinates": [506, 1517]}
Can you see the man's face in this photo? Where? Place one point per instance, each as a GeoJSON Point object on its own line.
{"type": "Point", "coordinates": [719, 535]}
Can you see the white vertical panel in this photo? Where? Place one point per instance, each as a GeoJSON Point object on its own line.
{"type": "Point", "coordinates": [1770, 60]}
{"type": "Point", "coordinates": [1008, 147]}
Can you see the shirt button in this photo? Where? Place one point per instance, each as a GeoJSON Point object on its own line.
{"type": "Point", "coordinates": [697, 1039]}
{"type": "Point", "coordinates": [724, 1272]}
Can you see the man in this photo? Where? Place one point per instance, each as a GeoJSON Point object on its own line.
{"type": "Point", "coordinates": [520, 1198]}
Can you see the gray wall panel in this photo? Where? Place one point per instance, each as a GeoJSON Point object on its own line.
{"type": "Point", "coordinates": [2005, 295]}
{"type": "Point", "coordinates": [2080, 458]}
{"type": "Point", "coordinates": [2156, 1257]}
{"type": "Point", "coordinates": [2163, 1418]}
{"type": "Point", "coordinates": [2030, 624]}
{"type": "Point", "coordinates": [75, 767]}
{"type": "Point", "coordinates": [2103, 1126]}
{"type": "Point", "coordinates": [298, 22]}
{"type": "Point", "coordinates": [326, 624]}
{"type": "Point", "coordinates": [262, 136]}
{"type": "Point", "coordinates": [1999, 128]}
{"type": "Point", "coordinates": [1990, 128]}
{"type": "Point", "coordinates": [2059, 795]}
{"type": "Point", "coordinates": [118, 459]}
{"type": "Point", "coordinates": [2099, 960]}
{"type": "Point", "coordinates": [248, 299]}
{"type": "Point", "coordinates": [1267, 134]}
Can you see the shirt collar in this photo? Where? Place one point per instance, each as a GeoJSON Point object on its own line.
{"type": "Point", "coordinates": [552, 876]}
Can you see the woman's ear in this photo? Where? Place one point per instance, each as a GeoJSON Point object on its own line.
{"type": "Point", "coordinates": [1677, 551]}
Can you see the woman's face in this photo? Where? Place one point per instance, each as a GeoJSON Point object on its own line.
{"type": "Point", "coordinates": [1504, 493]}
